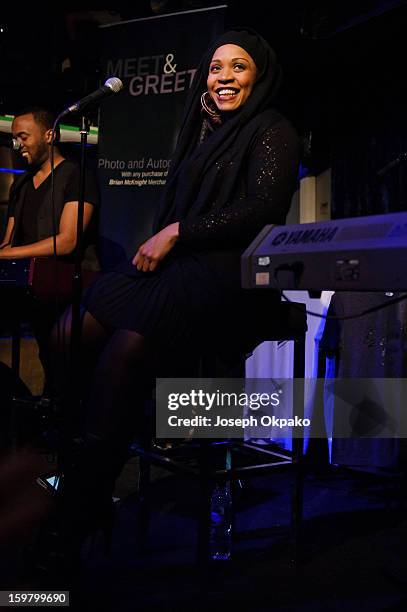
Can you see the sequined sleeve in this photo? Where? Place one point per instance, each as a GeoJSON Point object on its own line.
{"type": "Point", "coordinates": [269, 185]}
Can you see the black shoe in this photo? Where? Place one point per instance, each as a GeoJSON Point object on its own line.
{"type": "Point", "coordinates": [58, 551]}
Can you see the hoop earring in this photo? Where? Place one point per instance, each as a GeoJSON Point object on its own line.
{"type": "Point", "coordinates": [205, 106]}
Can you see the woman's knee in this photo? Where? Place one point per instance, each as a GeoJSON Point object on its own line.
{"type": "Point", "coordinates": [93, 334]}
{"type": "Point", "coordinates": [61, 331]}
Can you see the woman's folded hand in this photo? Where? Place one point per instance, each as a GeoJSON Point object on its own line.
{"type": "Point", "coordinates": [151, 252]}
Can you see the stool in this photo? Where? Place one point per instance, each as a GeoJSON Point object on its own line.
{"type": "Point", "coordinates": [198, 459]}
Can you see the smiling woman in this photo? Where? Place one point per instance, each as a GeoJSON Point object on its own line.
{"type": "Point", "coordinates": [234, 170]}
{"type": "Point", "coordinates": [232, 75]}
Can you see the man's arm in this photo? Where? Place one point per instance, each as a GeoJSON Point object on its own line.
{"type": "Point", "coordinates": [65, 239]}
{"type": "Point", "coordinates": [8, 233]}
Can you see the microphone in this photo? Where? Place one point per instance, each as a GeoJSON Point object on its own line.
{"type": "Point", "coordinates": [10, 143]}
{"type": "Point", "coordinates": [111, 86]}
{"type": "Point", "coordinates": [401, 159]}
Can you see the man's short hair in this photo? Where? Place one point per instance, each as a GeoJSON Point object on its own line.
{"type": "Point", "coordinates": [42, 116]}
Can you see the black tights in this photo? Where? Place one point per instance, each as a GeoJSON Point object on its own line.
{"type": "Point", "coordinates": [114, 376]}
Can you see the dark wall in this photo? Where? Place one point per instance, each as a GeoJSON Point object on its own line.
{"type": "Point", "coordinates": [343, 62]}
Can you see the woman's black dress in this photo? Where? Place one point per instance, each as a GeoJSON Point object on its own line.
{"type": "Point", "coordinates": [194, 295]}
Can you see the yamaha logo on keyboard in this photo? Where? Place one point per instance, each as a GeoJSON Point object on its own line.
{"type": "Point", "coordinates": [303, 236]}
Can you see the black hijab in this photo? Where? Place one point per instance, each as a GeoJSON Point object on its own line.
{"type": "Point", "coordinates": [189, 185]}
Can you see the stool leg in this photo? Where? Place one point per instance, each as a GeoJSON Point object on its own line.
{"type": "Point", "coordinates": [15, 348]}
{"type": "Point", "coordinates": [15, 368]}
{"type": "Point", "coordinates": [144, 481]}
{"type": "Point", "coordinates": [204, 515]}
{"type": "Point", "coordinates": [232, 485]}
{"type": "Point", "coordinates": [297, 443]}
{"type": "Point", "coordinates": [297, 503]}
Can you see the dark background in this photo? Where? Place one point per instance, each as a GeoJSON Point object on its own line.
{"type": "Point", "coordinates": [344, 76]}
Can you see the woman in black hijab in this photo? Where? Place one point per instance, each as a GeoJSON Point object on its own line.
{"type": "Point", "coordinates": [234, 170]}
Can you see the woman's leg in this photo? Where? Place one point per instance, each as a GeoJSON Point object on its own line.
{"type": "Point", "coordinates": [115, 376]}
{"type": "Point", "coordinates": [122, 382]}
{"type": "Point", "coordinates": [91, 461]}
{"type": "Point", "coordinates": [94, 448]}
{"type": "Point", "coordinates": [93, 338]}
{"type": "Point", "coordinates": [72, 373]}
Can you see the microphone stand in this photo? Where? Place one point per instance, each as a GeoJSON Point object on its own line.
{"type": "Point", "coordinates": [77, 277]}
{"type": "Point", "coordinates": [71, 403]}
